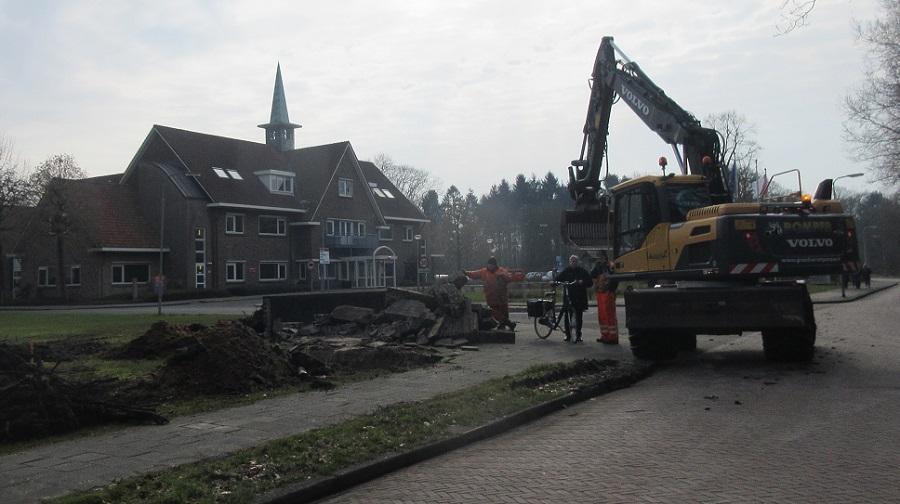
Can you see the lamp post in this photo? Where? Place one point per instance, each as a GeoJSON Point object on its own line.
{"type": "Point", "coordinates": [851, 175]}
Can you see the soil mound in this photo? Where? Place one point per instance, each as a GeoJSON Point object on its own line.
{"type": "Point", "coordinates": [160, 341]}
{"type": "Point", "coordinates": [226, 358]}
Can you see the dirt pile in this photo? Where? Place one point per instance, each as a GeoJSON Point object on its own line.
{"type": "Point", "coordinates": [227, 358]}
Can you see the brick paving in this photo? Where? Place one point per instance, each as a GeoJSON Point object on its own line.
{"type": "Point", "coordinates": [56, 469]}
{"type": "Point", "coordinates": [721, 426]}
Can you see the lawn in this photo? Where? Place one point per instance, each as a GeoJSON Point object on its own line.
{"type": "Point", "coordinates": [42, 326]}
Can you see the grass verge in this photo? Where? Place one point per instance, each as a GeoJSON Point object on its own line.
{"type": "Point", "coordinates": [32, 326]}
{"type": "Point", "coordinates": [323, 452]}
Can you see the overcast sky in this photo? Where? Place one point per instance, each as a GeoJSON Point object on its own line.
{"type": "Point", "coordinates": [470, 91]}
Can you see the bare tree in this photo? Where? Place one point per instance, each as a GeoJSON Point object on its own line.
{"type": "Point", "coordinates": [739, 149]}
{"type": "Point", "coordinates": [47, 184]}
{"type": "Point", "coordinates": [794, 15]}
{"type": "Point", "coordinates": [58, 166]}
{"type": "Point", "coordinates": [412, 182]}
{"type": "Point", "coordinates": [13, 193]}
{"type": "Point", "coordinates": [873, 110]}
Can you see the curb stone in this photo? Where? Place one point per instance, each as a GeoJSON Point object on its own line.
{"type": "Point", "coordinates": [361, 473]}
{"type": "Point", "coordinates": [866, 293]}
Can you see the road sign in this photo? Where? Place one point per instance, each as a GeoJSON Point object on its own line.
{"type": "Point", "coordinates": [324, 257]}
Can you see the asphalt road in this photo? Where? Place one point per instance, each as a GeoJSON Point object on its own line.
{"type": "Point", "coordinates": [721, 425]}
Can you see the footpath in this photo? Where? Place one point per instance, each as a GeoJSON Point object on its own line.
{"type": "Point", "coordinates": [60, 468]}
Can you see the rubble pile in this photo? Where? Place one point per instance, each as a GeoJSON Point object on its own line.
{"type": "Point", "coordinates": [440, 316]}
{"type": "Point", "coordinates": [35, 401]}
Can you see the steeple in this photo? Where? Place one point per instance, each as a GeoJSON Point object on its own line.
{"type": "Point", "coordinates": [279, 129]}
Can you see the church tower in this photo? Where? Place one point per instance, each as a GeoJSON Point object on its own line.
{"type": "Point", "coordinates": [279, 129]}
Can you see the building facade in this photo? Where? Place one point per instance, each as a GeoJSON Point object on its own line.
{"type": "Point", "coordinates": [226, 214]}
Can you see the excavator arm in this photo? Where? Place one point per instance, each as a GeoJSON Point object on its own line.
{"type": "Point", "coordinates": [700, 154]}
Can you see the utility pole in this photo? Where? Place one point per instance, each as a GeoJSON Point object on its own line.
{"type": "Point", "coordinates": [162, 222]}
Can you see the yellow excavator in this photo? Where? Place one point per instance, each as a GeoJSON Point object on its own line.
{"type": "Point", "coordinates": [710, 265]}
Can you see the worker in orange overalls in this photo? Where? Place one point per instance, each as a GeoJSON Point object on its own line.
{"type": "Point", "coordinates": [495, 280]}
{"type": "Point", "coordinates": [606, 300]}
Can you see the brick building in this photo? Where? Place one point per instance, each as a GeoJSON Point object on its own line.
{"type": "Point", "coordinates": [224, 213]}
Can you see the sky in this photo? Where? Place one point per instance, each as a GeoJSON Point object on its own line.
{"type": "Point", "coordinates": [470, 91]}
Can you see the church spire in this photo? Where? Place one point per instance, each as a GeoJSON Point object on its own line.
{"type": "Point", "coordinates": [279, 129]}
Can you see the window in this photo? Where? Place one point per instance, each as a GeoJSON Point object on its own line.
{"type": "Point", "coordinates": [345, 188]}
{"type": "Point", "coordinates": [220, 172]}
{"type": "Point", "coordinates": [16, 271]}
{"type": "Point", "coordinates": [386, 233]}
{"type": "Point", "coordinates": [272, 271]}
{"type": "Point", "coordinates": [329, 227]}
{"type": "Point", "coordinates": [276, 226]}
{"type": "Point", "coordinates": [281, 184]}
{"type": "Point", "coordinates": [127, 273]}
{"type": "Point", "coordinates": [407, 233]}
{"type": "Point", "coordinates": [302, 266]}
{"type": "Point", "coordinates": [637, 214]}
{"type": "Point", "coordinates": [234, 224]}
{"type": "Point", "coordinates": [684, 198]}
{"type": "Point", "coordinates": [343, 270]}
{"type": "Point", "coordinates": [387, 193]}
{"type": "Point", "coordinates": [234, 271]}
{"type": "Point", "coordinates": [74, 277]}
{"type": "Point", "coordinates": [235, 175]}
{"type": "Point", "coordinates": [360, 229]}
{"type": "Point", "coordinates": [46, 276]}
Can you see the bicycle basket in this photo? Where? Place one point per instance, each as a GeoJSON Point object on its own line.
{"type": "Point", "coordinates": [537, 307]}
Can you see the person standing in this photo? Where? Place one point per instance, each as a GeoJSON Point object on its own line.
{"type": "Point", "coordinates": [606, 300]}
{"type": "Point", "coordinates": [577, 292]}
{"type": "Point", "coordinates": [495, 280]}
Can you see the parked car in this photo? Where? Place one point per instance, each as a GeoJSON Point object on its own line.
{"type": "Point", "coordinates": [534, 276]}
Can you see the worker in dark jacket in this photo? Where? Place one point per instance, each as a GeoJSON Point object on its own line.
{"type": "Point", "coordinates": [577, 292]}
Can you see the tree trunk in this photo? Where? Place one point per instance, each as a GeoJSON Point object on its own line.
{"type": "Point", "coordinates": [60, 275]}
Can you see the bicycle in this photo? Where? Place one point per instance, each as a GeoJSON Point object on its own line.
{"type": "Point", "coordinates": [546, 318]}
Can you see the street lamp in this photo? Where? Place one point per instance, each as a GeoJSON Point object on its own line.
{"type": "Point", "coordinates": [852, 175]}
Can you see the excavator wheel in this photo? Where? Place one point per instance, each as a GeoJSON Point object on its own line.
{"type": "Point", "coordinates": [792, 344]}
{"type": "Point", "coordinates": [789, 345]}
{"type": "Point", "coordinates": [686, 341]}
{"type": "Point", "coordinates": [653, 345]}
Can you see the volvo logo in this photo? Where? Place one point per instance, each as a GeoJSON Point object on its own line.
{"type": "Point", "coordinates": [810, 242]}
{"type": "Point", "coordinates": [634, 100]}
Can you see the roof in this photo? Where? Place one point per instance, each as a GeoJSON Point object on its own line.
{"type": "Point", "coordinates": [107, 213]}
{"type": "Point", "coordinates": [196, 156]}
{"type": "Point", "coordinates": [398, 207]}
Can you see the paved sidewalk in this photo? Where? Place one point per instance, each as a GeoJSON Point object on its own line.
{"type": "Point", "coordinates": [63, 467]}
{"type": "Point", "coordinates": [60, 468]}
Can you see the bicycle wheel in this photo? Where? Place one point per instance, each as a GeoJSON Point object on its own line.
{"type": "Point", "coordinates": [568, 320]}
{"type": "Point", "coordinates": [545, 324]}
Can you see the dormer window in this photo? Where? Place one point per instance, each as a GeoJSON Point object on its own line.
{"type": "Point", "coordinates": [278, 182]}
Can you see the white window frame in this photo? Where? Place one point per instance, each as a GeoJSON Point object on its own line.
{"type": "Point", "coordinates": [345, 187]}
{"type": "Point", "coordinates": [235, 266]}
{"type": "Point", "coordinates": [71, 270]}
{"type": "Point", "coordinates": [408, 233]}
{"type": "Point", "coordinates": [274, 180]}
{"type": "Point", "coordinates": [232, 219]}
{"type": "Point", "coordinates": [220, 172]}
{"type": "Point", "coordinates": [46, 282]}
{"type": "Point", "coordinates": [343, 268]}
{"type": "Point", "coordinates": [234, 174]}
{"type": "Point", "coordinates": [125, 281]}
{"type": "Point", "coordinates": [386, 233]}
{"type": "Point", "coordinates": [329, 227]}
{"type": "Point", "coordinates": [280, 225]}
{"type": "Point", "coordinates": [281, 271]}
